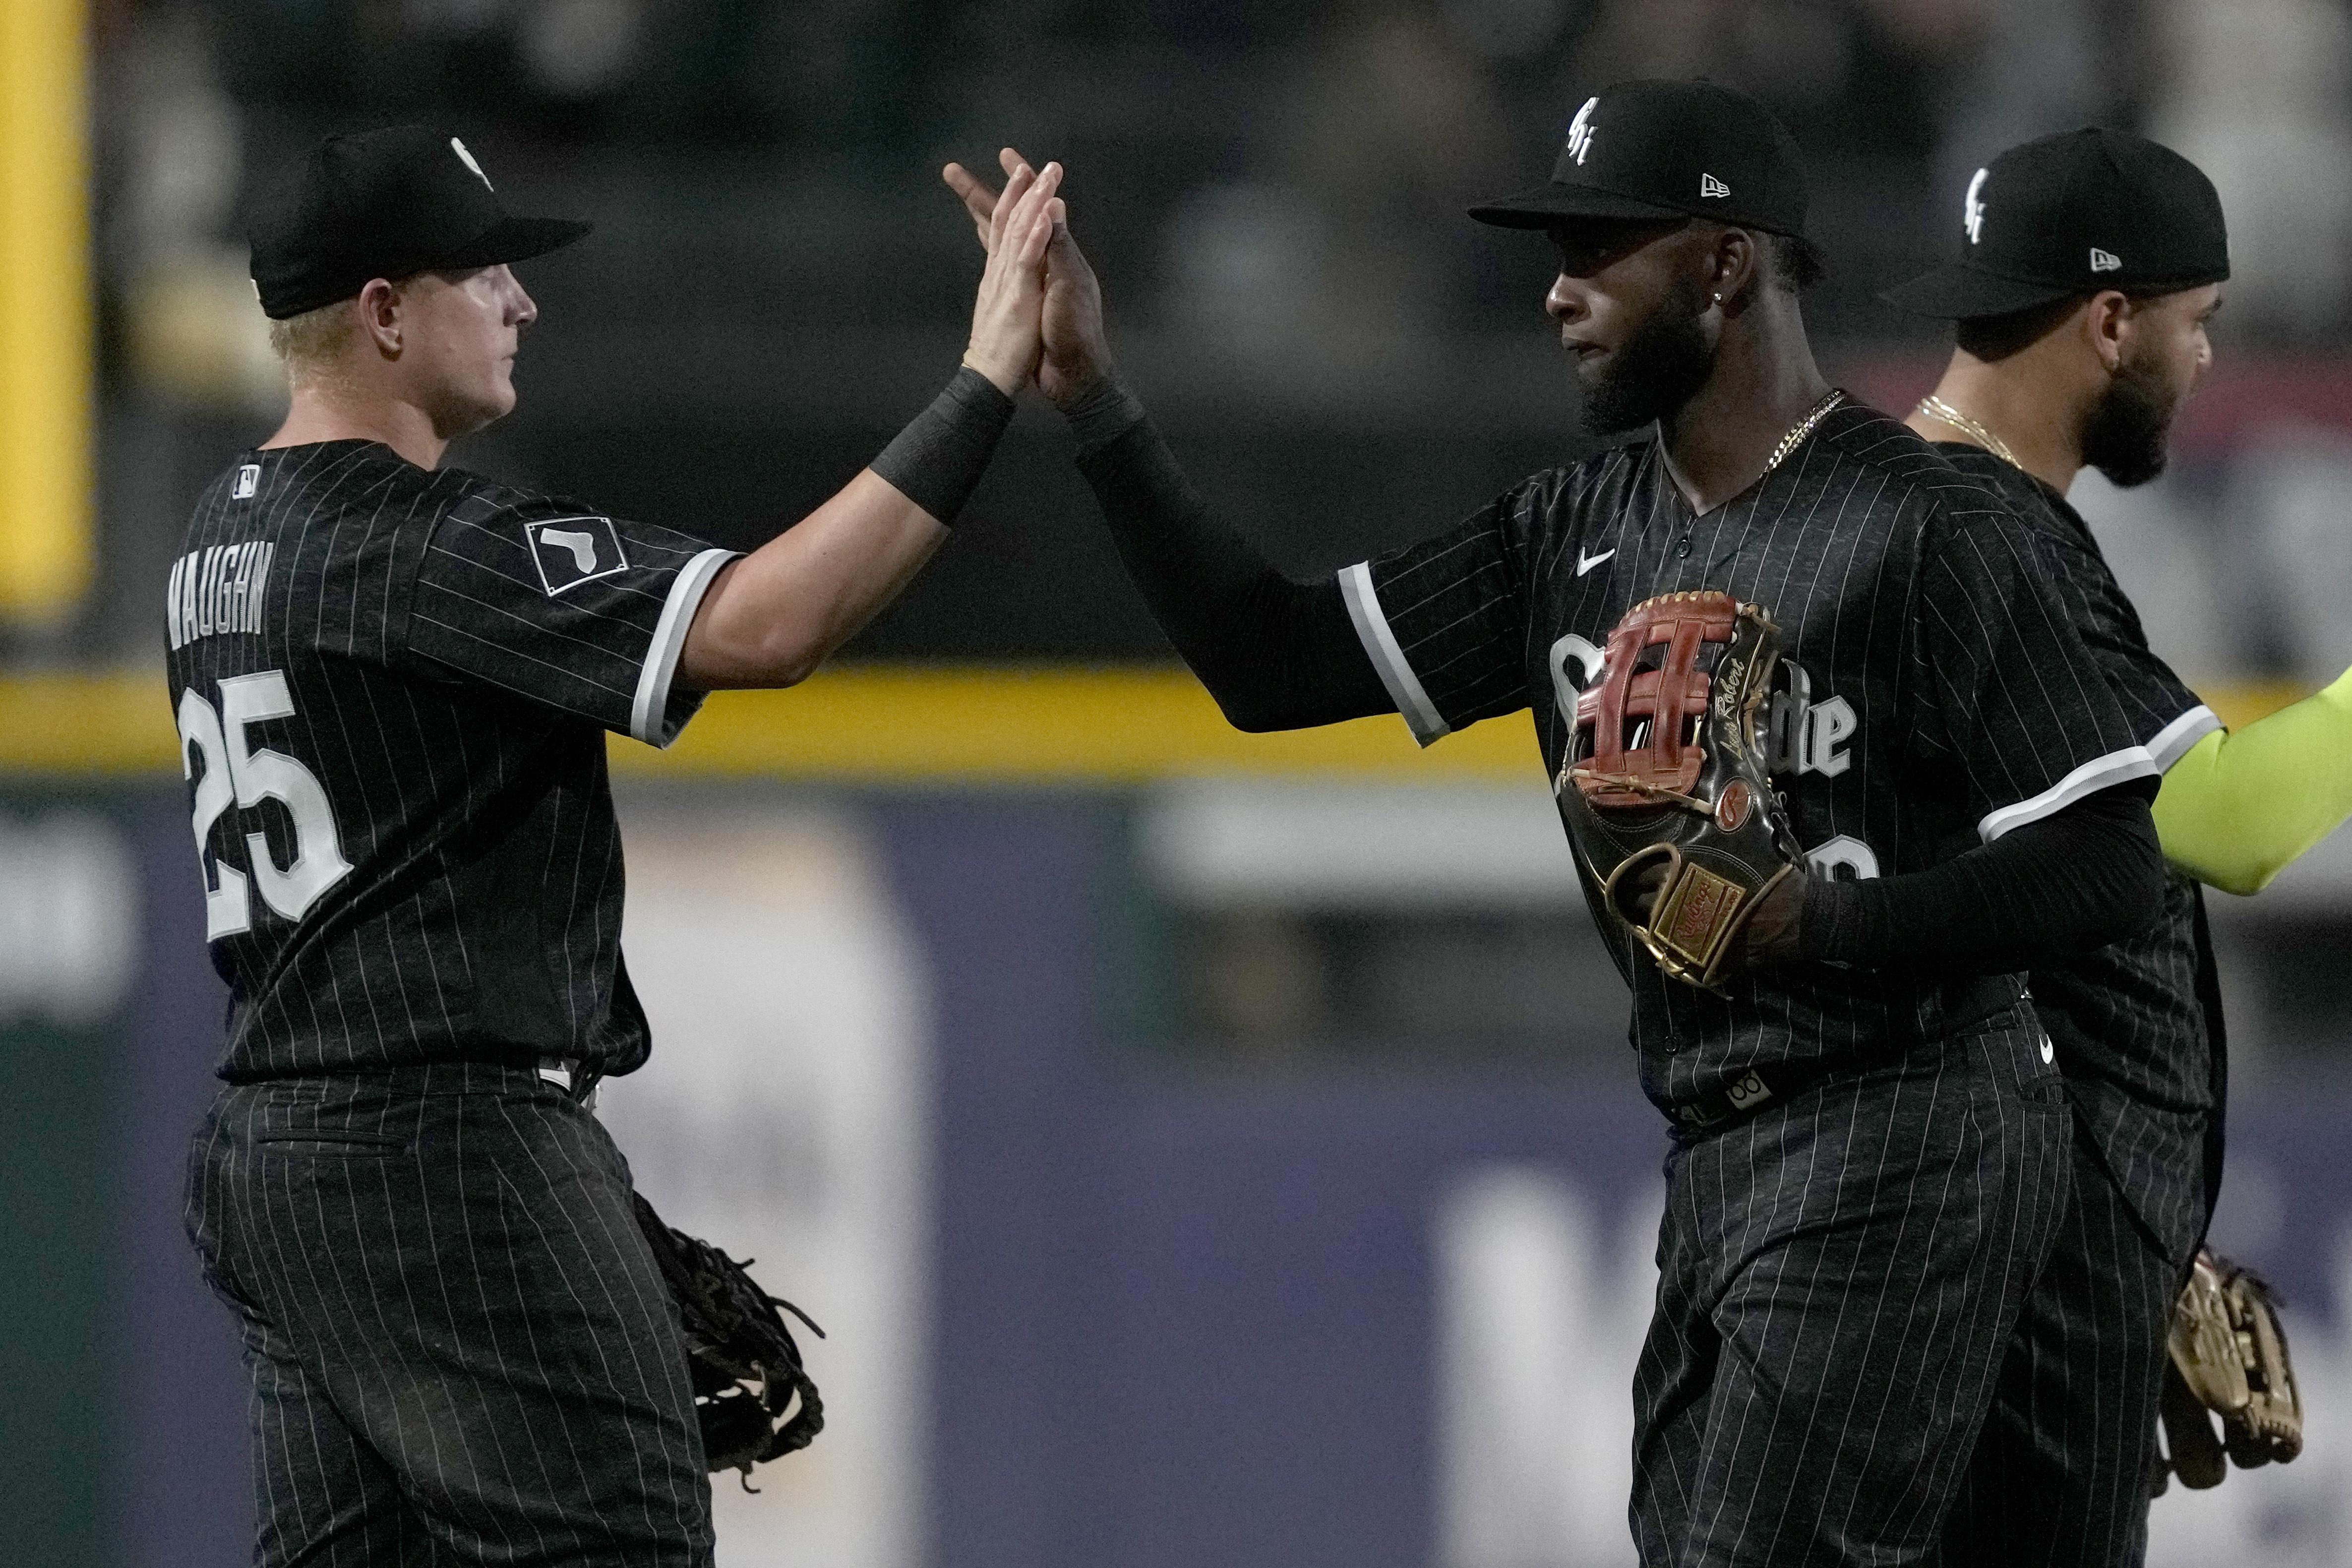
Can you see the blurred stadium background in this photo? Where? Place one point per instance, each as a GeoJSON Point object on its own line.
{"type": "Point", "coordinates": [1203, 1148]}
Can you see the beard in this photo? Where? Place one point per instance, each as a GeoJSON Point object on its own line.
{"type": "Point", "coordinates": [2125, 435]}
{"type": "Point", "coordinates": [1661, 367]}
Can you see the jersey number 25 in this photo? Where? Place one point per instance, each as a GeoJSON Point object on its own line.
{"type": "Point", "coordinates": [236, 773]}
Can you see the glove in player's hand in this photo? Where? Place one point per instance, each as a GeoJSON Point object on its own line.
{"type": "Point", "coordinates": [1077, 350]}
{"type": "Point", "coordinates": [1666, 791]}
{"type": "Point", "coordinates": [745, 1364]}
{"type": "Point", "coordinates": [1770, 933]}
{"type": "Point", "coordinates": [1005, 333]}
{"type": "Point", "coordinates": [2228, 1356]}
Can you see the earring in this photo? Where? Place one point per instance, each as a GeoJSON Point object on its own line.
{"type": "Point", "coordinates": [1718, 298]}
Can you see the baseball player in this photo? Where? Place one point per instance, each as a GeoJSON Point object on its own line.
{"type": "Point", "coordinates": [1870, 1150]}
{"type": "Point", "coordinates": [2090, 265]}
{"type": "Point", "coordinates": [394, 682]}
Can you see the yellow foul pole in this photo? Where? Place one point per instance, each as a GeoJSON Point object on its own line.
{"type": "Point", "coordinates": [45, 310]}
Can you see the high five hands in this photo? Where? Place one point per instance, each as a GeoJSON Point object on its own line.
{"type": "Point", "coordinates": [1004, 344]}
{"type": "Point", "coordinates": [1075, 355]}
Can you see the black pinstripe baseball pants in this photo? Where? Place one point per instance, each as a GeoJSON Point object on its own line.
{"type": "Point", "coordinates": [1840, 1277]}
{"type": "Point", "coordinates": [461, 1350]}
{"type": "Point", "coordinates": [2060, 1475]}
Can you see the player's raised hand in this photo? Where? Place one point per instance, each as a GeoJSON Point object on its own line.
{"type": "Point", "coordinates": [1004, 344]}
{"type": "Point", "coordinates": [1077, 350]}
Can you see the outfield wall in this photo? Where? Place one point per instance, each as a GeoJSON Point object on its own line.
{"type": "Point", "coordinates": [1096, 1299]}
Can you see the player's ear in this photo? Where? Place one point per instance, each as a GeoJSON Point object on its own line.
{"type": "Point", "coordinates": [1735, 263]}
{"type": "Point", "coordinates": [378, 309]}
{"type": "Point", "coordinates": [2107, 324]}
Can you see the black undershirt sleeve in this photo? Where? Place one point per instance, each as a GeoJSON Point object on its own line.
{"type": "Point", "coordinates": [2070, 883]}
{"type": "Point", "coordinates": [1277, 654]}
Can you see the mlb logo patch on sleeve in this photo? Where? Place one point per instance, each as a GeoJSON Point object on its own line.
{"type": "Point", "coordinates": [574, 550]}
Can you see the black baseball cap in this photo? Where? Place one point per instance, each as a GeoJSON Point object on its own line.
{"type": "Point", "coordinates": [1668, 149]}
{"type": "Point", "coordinates": [384, 204]}
{"type": "Point", "coordinates": [2070, 215]}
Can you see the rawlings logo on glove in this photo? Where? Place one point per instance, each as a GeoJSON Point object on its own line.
{"type": "Point", "coordinates": [1664, 791]}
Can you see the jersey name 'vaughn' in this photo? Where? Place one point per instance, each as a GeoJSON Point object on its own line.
{"type": "Point", "coordinates": [218, 589]}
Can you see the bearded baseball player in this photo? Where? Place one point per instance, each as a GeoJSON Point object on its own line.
{"type": "Point", "coordinates": [2090, 265]}
{"type": "Point", "coordinates": [394, 682]}
{"type": "Point", "coordinates": [1870, 1139]}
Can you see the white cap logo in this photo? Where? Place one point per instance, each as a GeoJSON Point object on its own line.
{"type": "Point", "coordinates": [1972, 211]}
{"type": "Point", "coordinates": [1579, 132]}
{"type": "Point", "coordinates": [1708, 186]}
{"type": "Point", "coordinates": [2106, 260]}
{"type": "Point", "coordinates": [467, 159]}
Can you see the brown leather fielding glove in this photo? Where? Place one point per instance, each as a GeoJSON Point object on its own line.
{"type": "Point", "coordinates": [745, 1364]}
{"type": "Point", "coordinates": [2228, 1356]}
{"type": "Point", "coordinates": [1664, 791]}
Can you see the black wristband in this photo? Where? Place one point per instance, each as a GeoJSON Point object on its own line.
{"type": "Point", "coordinates": [937, 461]}
{"type": "Point", "coordinates": [1106, 411]}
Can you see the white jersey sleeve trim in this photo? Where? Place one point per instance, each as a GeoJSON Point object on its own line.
{"type": "Point", "coordinates": [1379, 642]}
{"type": "Point", "coordinates": [2100, 772]}
{"type": "Point", "coordinates": [647, 722]}
{"type": "Point", "coordinates": [2173, 743]}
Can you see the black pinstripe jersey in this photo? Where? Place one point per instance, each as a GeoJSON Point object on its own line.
{"type": "Point", "coordinates": [1945, 699]}
{"type": "Point", "coordinates": [2132, 1036]}
{"type": "Point", "coordinates": [392, 687]}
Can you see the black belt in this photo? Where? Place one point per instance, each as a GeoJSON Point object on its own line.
{"type": "Point", "coordinates": [1745, 1095]}
{"type": "Point", "coordinates": [1959, 1005]}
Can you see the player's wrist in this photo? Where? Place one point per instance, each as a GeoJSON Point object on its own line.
{"type": "Point", "coordinates": [1001, 371]}
{"type": "Point", "coordinates": [1071, 383]}
{"type": "Point", "coordinates": [1100, 412]}
{"type": "Point", "coordinates": [938, 459]}
{"type": "Point", "coordinates": [1776, 931]}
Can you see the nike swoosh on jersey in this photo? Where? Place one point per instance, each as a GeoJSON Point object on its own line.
{"type": "Point", "coordinates": [1587, 562]}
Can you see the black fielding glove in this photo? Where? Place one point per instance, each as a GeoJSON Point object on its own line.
{"type": "Point", "coordinates": [745, 1364]}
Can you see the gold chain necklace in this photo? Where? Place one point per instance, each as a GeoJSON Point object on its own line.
{"type": "Point", "coordinates": [1804, 429]}
{"type": "Point", "coordinates": [1935, 407]}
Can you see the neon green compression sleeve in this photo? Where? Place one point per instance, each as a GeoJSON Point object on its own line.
{"type": "Point", "coordinates": [2238, 809]}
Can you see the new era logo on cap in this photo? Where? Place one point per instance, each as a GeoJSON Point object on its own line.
{"type": "Point", "coordinates": [1708, 186]}
{"type": "Point", "coordinates": [571, 551]}
{"type": "Point", "coordinates": [2106, 261]}
{"type": "Point", "coordinates": [1972, 211]}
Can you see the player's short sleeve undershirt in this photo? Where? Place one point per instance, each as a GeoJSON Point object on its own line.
{"type": "Point", "coordinates": [564, 606]}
